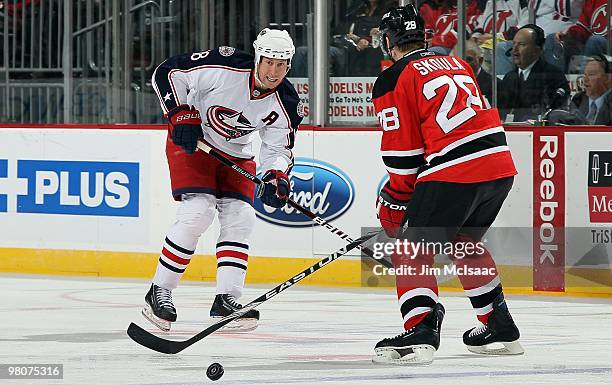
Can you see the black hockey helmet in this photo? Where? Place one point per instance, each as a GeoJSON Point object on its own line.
{"type": "Point", "coordinates": [401, 25]}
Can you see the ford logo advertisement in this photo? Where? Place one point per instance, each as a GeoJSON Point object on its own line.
{"type": "Point", "coordinates": [316, 185]}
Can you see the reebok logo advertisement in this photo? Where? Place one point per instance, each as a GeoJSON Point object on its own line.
{"type": "Point", "coordinates": [318, 186]}
{"type": "Point", "coordinates": [70, 187]}
{"type": "Point", "coordinates": [600, 186]}
{"type": "Point", "coordinates": [548, 211]}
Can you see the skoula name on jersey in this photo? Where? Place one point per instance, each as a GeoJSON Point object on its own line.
{"type": "Point", "coordinates": [73, 187]}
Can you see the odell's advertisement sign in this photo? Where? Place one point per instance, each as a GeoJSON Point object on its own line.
{"type": "Point", "coordinates": [600, 186]}
{"type": "Point", "coordinates": [350, 99]}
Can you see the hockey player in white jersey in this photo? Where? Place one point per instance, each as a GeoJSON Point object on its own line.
{"type": "Point", "coordinates": [223, 97]}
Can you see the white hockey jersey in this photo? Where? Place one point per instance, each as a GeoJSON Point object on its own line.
{"type": "Point", "coordinates": [220, 84]}
{"type": "Point", "coordinates": [509, 12]}
{"type": "Point", "coordinates": [554, 15]}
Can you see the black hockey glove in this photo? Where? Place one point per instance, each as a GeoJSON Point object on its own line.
{"type": "Point", "coordinates": [185, 127]}
{"type": "Point", "coordinates": [275, 190]}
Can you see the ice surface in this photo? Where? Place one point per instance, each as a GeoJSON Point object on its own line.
{"type": "Point", "coordinates": [306, 336]}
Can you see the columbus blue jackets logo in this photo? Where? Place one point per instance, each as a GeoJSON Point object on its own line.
{"type": "Point", "coordinates": [228, 123]}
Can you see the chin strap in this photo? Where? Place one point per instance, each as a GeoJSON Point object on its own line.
{"type": "Point", "coordinates": [258, 82]}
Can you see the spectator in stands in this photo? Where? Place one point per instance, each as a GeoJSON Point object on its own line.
{"type": "Point", "coordinates": [362, 33]}
{"type": "Point", "coordinates": [593, 106]}
{"type": "Point", "coordinates": [473, 55]}
{"type": "Point", "coordinates": [555, 16]}
{"type": "Point", "coordinates": [528, 91]}
{"type": "Point", "coordinates": [354, 47]}
{"type": "Point", "coordinates": [588, 36]}
{"type": "Point", "coordinates": [552, 16]}
{"type": "Point", "coordinates": [440, 18]}
{"type": "Point", "coordinates": [509, 12]}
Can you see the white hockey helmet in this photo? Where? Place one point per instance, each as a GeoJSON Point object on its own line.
{"type": "Point", "coordinates": [274, 44]}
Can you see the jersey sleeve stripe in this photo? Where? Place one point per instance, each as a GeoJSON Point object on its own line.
{"type": "Point", "coordinates": [403, 162]}
{"type": "Point", "coordinates": [282, 106]}
{"type": "Point", "coordinates": [465, 140]}
{"type": "Point", "coordinates": [402, 171]}
{"type": "Point", "coordinates": [161, 83]}
{"type": "Point", "coordinates": [156, 89]}
{"type": "Point", "coordinates": [431, 169]}
{"type": "Point", "coordinates": [290, 133]}
{"type": "Point", "coordinates": [486, 142]}
{"type": "Point", "coordinates": [418, 151]}
{"type": "Point", "coordinates": [173, 88]}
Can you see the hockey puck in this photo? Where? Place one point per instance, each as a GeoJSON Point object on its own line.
{"type": "Point", "coordinates": [215, 371]}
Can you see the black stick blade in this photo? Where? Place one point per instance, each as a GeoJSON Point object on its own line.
{"type": "Point", "coordinates": [151, 341]}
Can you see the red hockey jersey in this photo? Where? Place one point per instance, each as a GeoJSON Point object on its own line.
{"type": "Point", "coordinates": [593, 20]}
{"type": "Point", "coordinates": [437, 125]}
{"type": "Point", "coordinates": [442, 22]}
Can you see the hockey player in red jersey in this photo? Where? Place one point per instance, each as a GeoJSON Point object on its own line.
{"type": "Point", "coordinates": [589, 35]}
{"type": "Point", "coordinates": [450, 170]}
{"type": "Point", "coordinates": [223, 97]}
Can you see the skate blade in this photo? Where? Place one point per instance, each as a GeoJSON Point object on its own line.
{"type": "Point", "coordinates": [419, 355]}
{"type": "Point", "coordinates": [147, 312]}
{"type": "Point", "coordinates": [498, 348]}
{"type": "Point", "coordinates": [241, 325]}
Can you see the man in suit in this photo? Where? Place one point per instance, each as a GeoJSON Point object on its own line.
{"type": "Point", "coordinates": [473, 55]}
{"type": "Point", "coordinates": [593, 106]}
{"type": "Point", "coordinates": [535, 85]}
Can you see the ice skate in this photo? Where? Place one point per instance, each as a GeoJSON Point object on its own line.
{"type": "Point", "coordinates": [226, 304]}
{"type": "Point", "coordinates": [159, 308]}
{"type": "Point", "coordinates": [499, 336]}
{"type": "Point", "coordinates": [415, 346]}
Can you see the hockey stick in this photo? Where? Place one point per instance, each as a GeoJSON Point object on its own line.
{"type": "Point", "coordinates": [162, 345]}
{"type": "Point", "coordinates": [320, 221]}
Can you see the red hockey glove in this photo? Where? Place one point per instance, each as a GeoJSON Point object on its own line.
{"type": "Point", "coordinates": [275, 190]}
{"type": "Point", "coordinates": [185, 127]}
{"type": "Point", "coordinates": [390, 212]}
